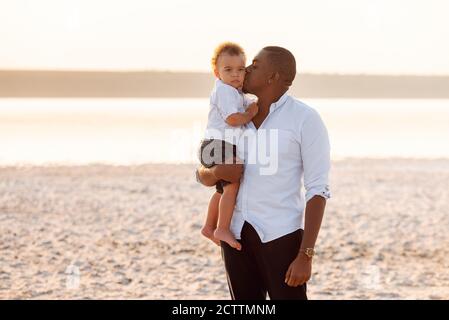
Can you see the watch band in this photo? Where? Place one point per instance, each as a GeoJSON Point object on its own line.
{"type": "Point", "coordinates": [309, 252]}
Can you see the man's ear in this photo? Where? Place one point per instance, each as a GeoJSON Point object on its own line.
{"type": "Point", "coordinates": [274, 77]}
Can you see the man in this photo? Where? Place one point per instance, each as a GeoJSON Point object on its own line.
{"type": "Point", "coordinates": [268, 221]}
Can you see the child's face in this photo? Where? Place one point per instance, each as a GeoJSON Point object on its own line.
{"type": "Point", "coordinates": [231, 69]}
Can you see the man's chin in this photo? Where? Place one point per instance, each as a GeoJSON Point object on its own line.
{"type": "Point", "coordinates": [245, 88]}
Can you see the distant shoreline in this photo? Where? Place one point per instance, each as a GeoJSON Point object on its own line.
{"type": "Point", "coordinates": [152, 84]}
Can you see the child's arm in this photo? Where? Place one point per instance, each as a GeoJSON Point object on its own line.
{"type": "Point", "coordinates": [241, 118]}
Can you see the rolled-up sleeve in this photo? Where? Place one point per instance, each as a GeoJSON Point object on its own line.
{"type": "Point", "coordinates": [315, 153]}
{"type": "Point", "coordinates": [228, 101]}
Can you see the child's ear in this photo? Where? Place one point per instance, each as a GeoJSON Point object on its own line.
{"type": "Point", "coordinates": [216, 73]}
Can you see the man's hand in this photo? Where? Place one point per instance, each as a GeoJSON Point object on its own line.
{"type": "Point", "coordinates": [253, 109]}
{"type": "Point", "coordinates": [228, 172]}
{"type": "Point", "coordinates": [206, 177]}
{"type": "Point", "coordinates": [299, 271]}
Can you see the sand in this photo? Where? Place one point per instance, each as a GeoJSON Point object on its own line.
{"type": "Point", "coordinates": [133, 232]}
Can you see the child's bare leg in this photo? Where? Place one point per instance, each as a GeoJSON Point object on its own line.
{"type": "Point", "coordinates": [226, 209]}
{"type": "Point", "coordinates": [212, 218]}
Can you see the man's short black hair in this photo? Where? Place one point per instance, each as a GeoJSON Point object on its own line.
{"type": "Point", "coordinates": [283, 62]}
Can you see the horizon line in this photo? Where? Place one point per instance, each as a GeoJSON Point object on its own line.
{"type": "Point", "coordinates": [435, 75]}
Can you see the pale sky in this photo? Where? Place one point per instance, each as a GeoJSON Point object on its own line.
{"type": "Point", "coordinates": [326, 36]}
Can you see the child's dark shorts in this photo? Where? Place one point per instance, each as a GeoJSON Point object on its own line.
{"type": "Point", "coordinates": [215, 151]}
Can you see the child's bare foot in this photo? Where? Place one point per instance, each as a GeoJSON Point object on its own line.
{"type": "Point", "coordinates": [208, 232]}
{"type": "Point", "coordinates": [227, 236]}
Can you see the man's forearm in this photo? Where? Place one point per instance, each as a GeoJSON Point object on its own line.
{"type": "Point", "coordinates": [313, 216]}
{"type": "Point", "coordinates": [227, 172]}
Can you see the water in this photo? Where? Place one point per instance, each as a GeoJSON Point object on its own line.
{"type": "Point", "coordinates": [132, 131]}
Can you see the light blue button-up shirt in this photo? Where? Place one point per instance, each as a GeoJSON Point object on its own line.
{"type": "Point", "coordinates": [273, 194]}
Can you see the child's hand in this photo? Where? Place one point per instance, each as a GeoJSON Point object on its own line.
{"type": "Point", "coordinates": [253, 108]}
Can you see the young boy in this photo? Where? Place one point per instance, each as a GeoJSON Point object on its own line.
{"type": "Point", "coordinates": [229, 110]}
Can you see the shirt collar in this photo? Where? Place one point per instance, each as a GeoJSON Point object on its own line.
{"type": "Point", "coordinates": [280, 102]}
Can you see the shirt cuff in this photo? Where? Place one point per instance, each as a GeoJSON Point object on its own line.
{"type": "Point", "coordinates": [318, 191]}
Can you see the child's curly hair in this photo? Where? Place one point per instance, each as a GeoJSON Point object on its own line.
{"type": "Point", "coordinates": [230, 48]}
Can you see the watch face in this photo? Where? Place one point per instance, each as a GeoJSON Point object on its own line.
{"type": "Point", "coordinates": [309, 252]}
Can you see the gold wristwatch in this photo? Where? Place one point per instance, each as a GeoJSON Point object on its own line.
{"type": "Point", "coordinates": [309, 252]}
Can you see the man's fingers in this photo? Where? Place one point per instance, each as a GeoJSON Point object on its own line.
{"type": "Point", "coordinates": [296, 281]}
{"type": "Point", "coordinates": [301, 281]}
{"type": "Point", "coordinates": [287, 275]}
{"type": "Point", "coordinates": [292, 281]}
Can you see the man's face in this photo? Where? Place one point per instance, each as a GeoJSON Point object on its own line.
{"type": "Point", "coordinates": [257, 74]}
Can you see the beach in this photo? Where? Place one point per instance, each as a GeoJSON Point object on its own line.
{"type": "Point", "coordinates": [133, 232]}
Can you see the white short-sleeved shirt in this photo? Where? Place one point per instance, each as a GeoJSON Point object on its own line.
{"type": "Point", "coordinates": [224, 101]}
